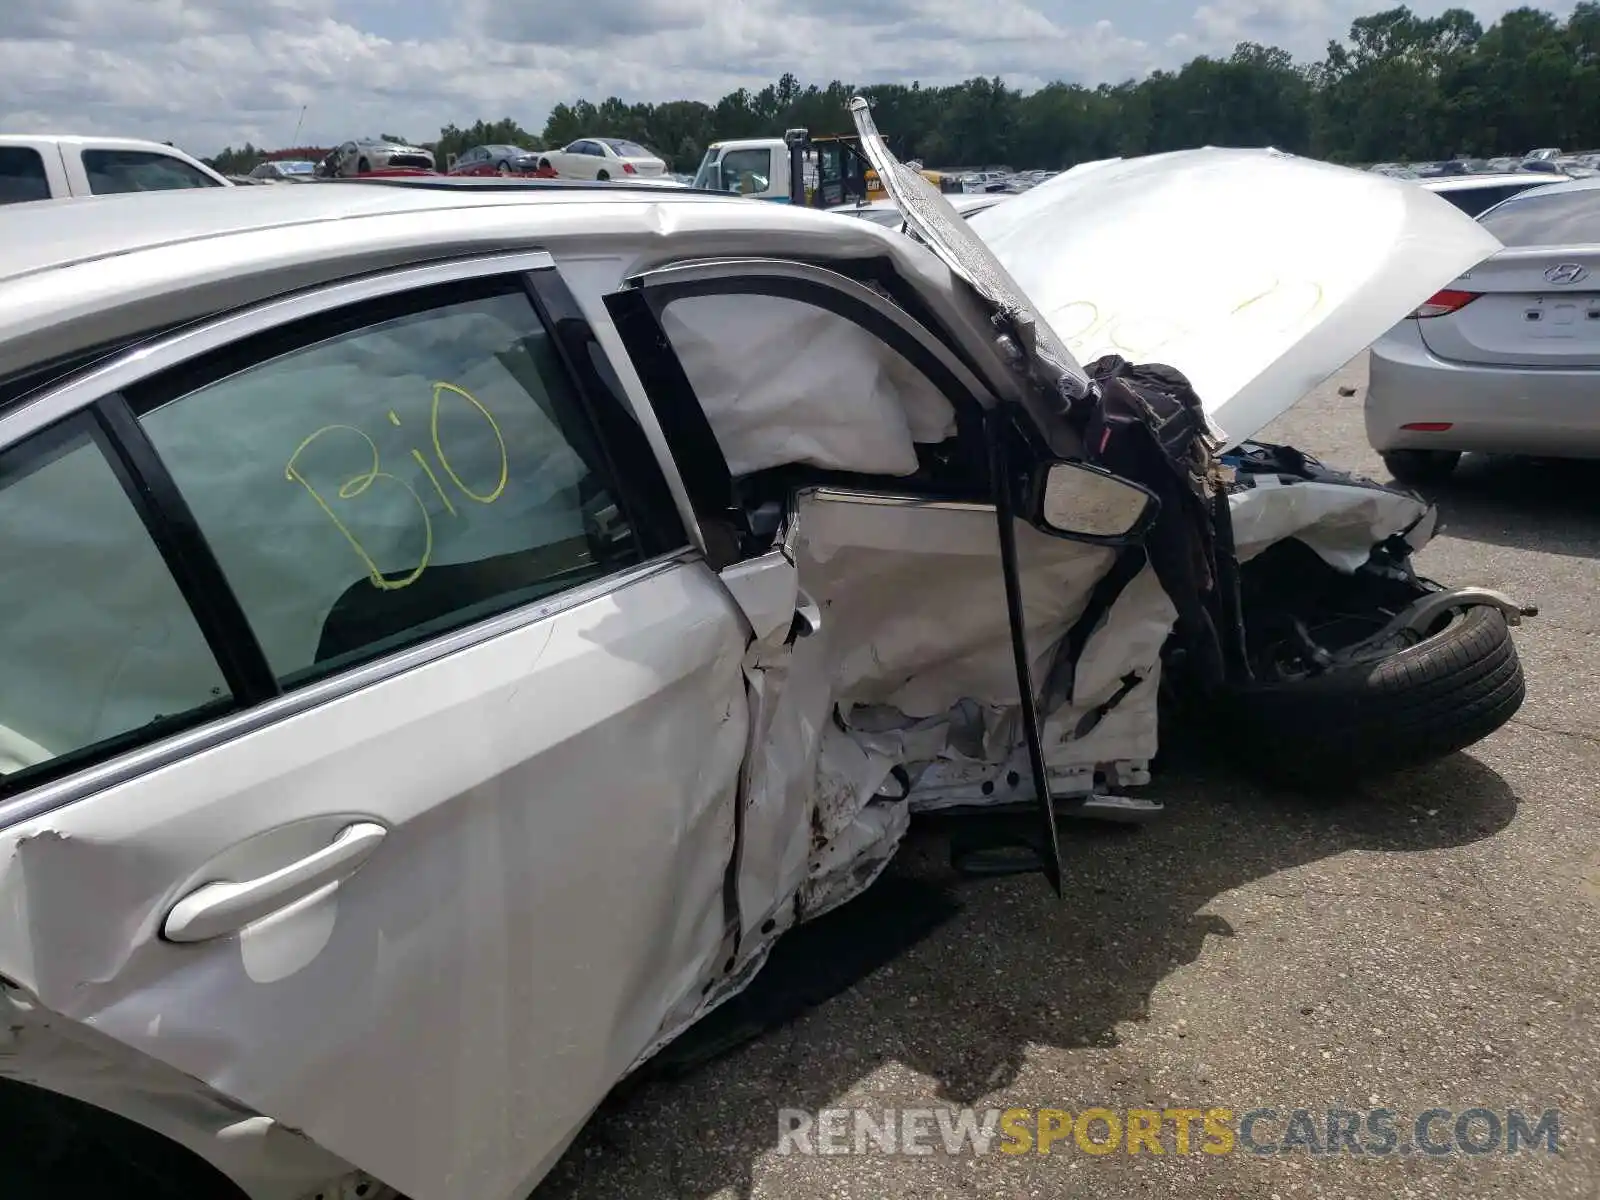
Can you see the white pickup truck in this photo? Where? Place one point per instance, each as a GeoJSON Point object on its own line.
{"type": "Point", "coordinates": [46, 167]}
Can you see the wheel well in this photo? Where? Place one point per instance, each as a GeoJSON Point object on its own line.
{"type": "Point", "coordinates": [59, 1145]}
{"type": "Point", "coordinates": [1289, 582]}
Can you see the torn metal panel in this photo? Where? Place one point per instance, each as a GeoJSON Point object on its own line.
{"type": "Point", "coordinates": [1341, 522]}
{"type": "Point", "coordinates": [910, 671]}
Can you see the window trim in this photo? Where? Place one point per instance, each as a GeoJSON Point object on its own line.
{"type": "Point", "coordinates": [183, 548]}
{"type": "Point", "coordinates": [640, 484]}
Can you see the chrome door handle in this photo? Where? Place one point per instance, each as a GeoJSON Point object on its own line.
{"type": "Point", "coordinates": [215, 909]}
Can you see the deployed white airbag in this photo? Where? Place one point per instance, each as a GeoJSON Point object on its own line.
{"type": "Point", "coordinates": [782, 381]}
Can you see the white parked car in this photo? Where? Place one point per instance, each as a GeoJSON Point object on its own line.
{"type": "Point", "coordinates": [1506, 358]}
{"type": "Point", "coordinates": [453, 628]}
{"type": "Point", "coordinates": [605, 158]}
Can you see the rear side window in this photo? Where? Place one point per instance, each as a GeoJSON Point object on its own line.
{"type": "Point", "coordinates": [1553, 219]}
{"type": "Point", "coordinates": [22, 176]}
{"type": "Point", "coordinates": [630, 150]}
{"type": "Point", "coordinates": [99, 646]}
{"type": "Point", "coordinates": [113, 171]}
{"type": "Point", "coordinates": [368, 488]}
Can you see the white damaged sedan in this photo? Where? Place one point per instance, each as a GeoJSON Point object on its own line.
{"type": "Point", "coordinates": [453, 628]}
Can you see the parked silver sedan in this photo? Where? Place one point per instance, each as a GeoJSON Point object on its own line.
{"type": "Point", "coordinates": [1507, 358]}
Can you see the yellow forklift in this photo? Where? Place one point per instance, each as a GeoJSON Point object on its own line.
{"type": "Point", "coordinates": [828, 170]}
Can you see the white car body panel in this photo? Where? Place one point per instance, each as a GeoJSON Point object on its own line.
{"type": "Point", "coordinates": [414, 1002]}
{"type": "Point", "coordinates": [1301, 265]}
{"type": "Point", "coordinates": [557, 788]}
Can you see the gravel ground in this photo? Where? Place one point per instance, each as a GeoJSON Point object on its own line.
{"type": "Point", "coordinates": [1428, 943]}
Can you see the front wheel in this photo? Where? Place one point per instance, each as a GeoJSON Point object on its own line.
{"type": "Point", "coordinates": [1447, 691]}
{"type": "Point", "coordinates": [1421, 466]}
{"type": "Point", "coordinates": [363, 167]}
{"type": "Point", "coordinates": [504, 168]}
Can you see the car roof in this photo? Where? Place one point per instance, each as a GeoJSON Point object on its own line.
{"type": "Point", "coordinates": [79, 273]}
{"type": "Point", "coordinates": [47, 235]}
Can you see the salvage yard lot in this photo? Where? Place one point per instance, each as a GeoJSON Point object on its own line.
{"type": "Point", "coordinates": [1431, 943]}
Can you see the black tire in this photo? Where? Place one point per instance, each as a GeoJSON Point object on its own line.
{"type": "Point", "coordinates": [1421, 466]}
{"type": "Point", "coordinates": [363, 167]}
{"type": "Point", "coordinates": [1417, 705]}
{"type": "Point", "coordinates": [603, 175]}
{"type": "Point", "coordinates": [502, 167]}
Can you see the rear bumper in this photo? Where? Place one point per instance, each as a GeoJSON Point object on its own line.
{"type": "Point", "coordinates": [1495, 410]}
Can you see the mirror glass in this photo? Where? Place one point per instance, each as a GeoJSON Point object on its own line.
{"type": "Point", "coordinates": [1081, 501]}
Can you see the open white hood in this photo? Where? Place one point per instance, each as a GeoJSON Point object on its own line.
{"type": "Point", "coordinates": [1255, 273]}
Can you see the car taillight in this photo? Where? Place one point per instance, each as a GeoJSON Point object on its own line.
{"type": "Point", "coordinates": [627, 169]}
{"type": "Point", "coordinates": [1442, 304]}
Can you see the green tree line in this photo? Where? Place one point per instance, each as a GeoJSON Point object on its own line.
{"type": "Point", "coordinates": [1398, 87]}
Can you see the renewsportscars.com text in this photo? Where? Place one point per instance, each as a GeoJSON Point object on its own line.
{"type": "Point", "coordinates": [1434, 1132]}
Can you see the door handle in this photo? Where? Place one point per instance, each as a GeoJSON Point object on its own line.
{"type": "Point", "coordinates": [215, 909]}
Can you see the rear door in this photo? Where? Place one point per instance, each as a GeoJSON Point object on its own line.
{"type": "Point", "coordinates": [371, 734]}
{"type": "Point", "coordinates": [1538, 300]}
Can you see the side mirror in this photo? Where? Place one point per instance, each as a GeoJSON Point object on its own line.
{"type": "Point", "coordinates": [1089, 504]}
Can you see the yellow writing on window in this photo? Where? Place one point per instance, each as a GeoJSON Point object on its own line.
{"type": "Point", "coordinates": [360, 484]}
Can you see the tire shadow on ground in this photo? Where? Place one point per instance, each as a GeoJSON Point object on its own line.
{"type": "Point", "coordinates": [956, 979]}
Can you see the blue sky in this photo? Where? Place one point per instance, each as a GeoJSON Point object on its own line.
{"type": "Point", "coordinates": [207, 73]}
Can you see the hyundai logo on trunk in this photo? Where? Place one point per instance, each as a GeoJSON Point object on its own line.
{"type": "Point", "coordinates": [1567, 273]}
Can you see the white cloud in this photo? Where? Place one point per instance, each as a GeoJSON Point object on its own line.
{"type": "Point", "coordinates": [205, 73]}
